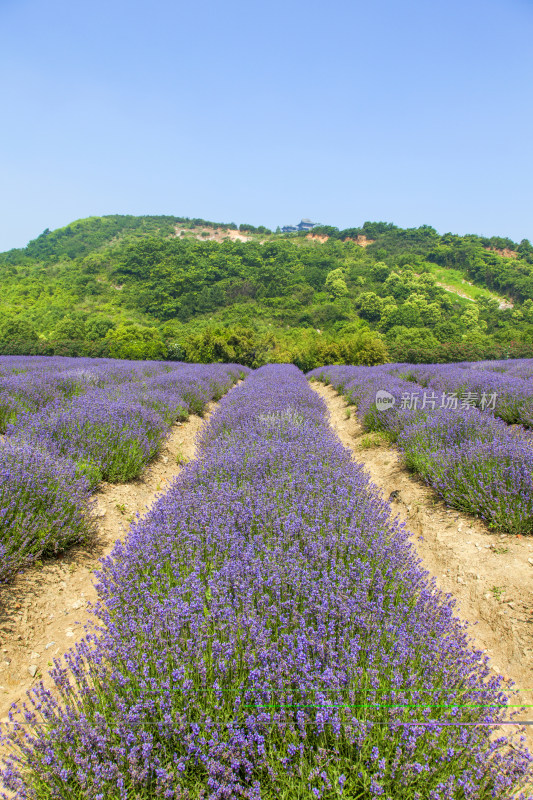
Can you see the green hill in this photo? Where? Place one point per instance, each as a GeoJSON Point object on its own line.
{"type": "Point", "coordinates": [154, 286]}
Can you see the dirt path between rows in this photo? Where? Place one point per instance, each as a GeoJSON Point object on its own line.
{"type": "Point", "coordinates": [44, 610]}
{"type": "Point", "coordinates": [490, 575]}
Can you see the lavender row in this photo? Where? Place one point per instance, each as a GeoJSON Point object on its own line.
{"type": "Point", "coordinates": [267, 632]}
{"type": "Point", "coordinates": [506, 394]}
{"type": "Point", "coordinates": [473, 460]}
{"type": "Point", "coordinates": [32, 384]}
{"type": "Point", "coordinates": [513, 367]}
{"type": "Point", "coordinates": [76, 423]}
{"type": "Point", "coordinates": [29, 384]}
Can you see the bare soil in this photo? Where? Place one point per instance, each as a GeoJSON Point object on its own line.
{"type": "Point", "coordinates": [316, 237]}
{"type": "Point", "coordinates": [489, 575]}
{"type": "Point", "coordinates": [361, 240]}
{"type": "Point", "coordinates": [505, 252]}
{"type": "Point", "coordinates": [212, 234]}
{"type": "Point", "coordinates": [44, 611]}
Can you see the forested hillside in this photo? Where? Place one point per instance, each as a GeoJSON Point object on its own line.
{"type": "Point", "coordinates": [153, 287]}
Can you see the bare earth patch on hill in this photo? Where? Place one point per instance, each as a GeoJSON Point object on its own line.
{"type": "Point", "coordinates": [505, 252]}
{"type": "Point", "coordinates": [360, 240]}
{"type": "Point", "coordinates": [43, 612]}
{"type": "Point", "coordinates": [316, 237]}
{"type": "Point", "coordinates": [211, 234]}
{"type": "Point", "coordinates": [489, 575]}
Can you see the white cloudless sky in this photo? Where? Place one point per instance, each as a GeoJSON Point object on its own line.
{"type": "Point", "coordinates": [403, 111]}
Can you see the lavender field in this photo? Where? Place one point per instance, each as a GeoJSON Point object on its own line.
{"type": "Point", "coordinates": [464, 428]}
{"type": "Point", "coordinates": [266, 630]}
{"type": "Point", "coordinates": [68, 424]}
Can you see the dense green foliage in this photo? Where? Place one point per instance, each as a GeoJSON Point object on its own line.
{"type": "Point", "coordinates": [153, 287]}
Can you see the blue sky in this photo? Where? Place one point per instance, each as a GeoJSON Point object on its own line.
{"type": "Point", "coordinates": [410, 111]}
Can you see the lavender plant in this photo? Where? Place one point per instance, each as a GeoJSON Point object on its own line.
{"type": "Point", "coordinates": [267, 632]}
{"type": "Point", "coordinates": [44, 506]}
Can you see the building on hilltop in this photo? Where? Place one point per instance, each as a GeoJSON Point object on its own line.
{"type": "Point", "coordinates": [304, 225]}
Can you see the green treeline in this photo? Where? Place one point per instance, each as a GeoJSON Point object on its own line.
{"type": "Point", "coordinates": [156, 287]}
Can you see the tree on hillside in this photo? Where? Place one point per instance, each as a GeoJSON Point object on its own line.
{"type": "Point", "coordinates": [69, 328]}
{"type": "Point", "coordinates": [97, 328]}
{"type": "Point", "coordinates": [527, 310]}
{"type": "Point", "coordinates": [238, 344]}
{"type": "Point", "coordinates": [431, 314]}
{"type": "Point", "coordinates": [135, 342]}
{"type": "Point", "coordinates": [380, 271]}
{"type": "Point", "coordinates": [370, 306]}
{"type": "Point", "coordinates": [366, 348]}
{"type": "Point", "coordinates": [474, 327]}
{"type": "Point", "coordinates": [17, 329]}
{"type": "Point", "coordinates": [335, 283]}
{"type": "Point", "coordinates": [401, 336]}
